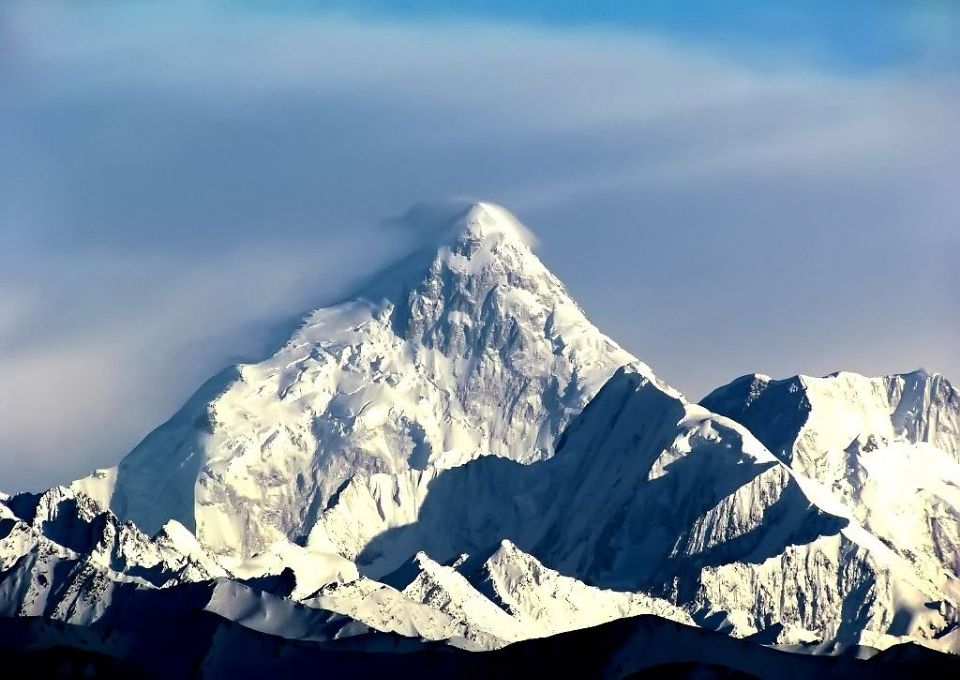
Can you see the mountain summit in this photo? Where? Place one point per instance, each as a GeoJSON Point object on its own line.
{"type": "Point", "coordinates": [468, 350]}
{"type": "Point", "coordinates": [439, 223]}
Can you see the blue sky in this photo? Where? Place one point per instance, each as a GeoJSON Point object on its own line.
{"type": "Point", "coordinates": [853, 34]}
{"type": "Point", "coordinates": [764, 188]}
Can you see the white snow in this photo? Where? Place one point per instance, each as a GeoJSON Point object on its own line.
{"type": "Point", "coordinates": [886, 449]}
{"type": "Point", "coordinates": [477, 350]}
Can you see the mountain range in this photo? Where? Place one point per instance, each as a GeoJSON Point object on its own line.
{"type": "Point", "coordinates": [453, 460]}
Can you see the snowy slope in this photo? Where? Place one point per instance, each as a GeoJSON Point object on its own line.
{"type": "Point", "coordinates": [548, 602]}
{"type": "Point", "coordinates": [888, 448]}
{"type": "Point", "coordinates": [445, 589]}
{"type": "Point", "coordinates": [469, 347]}
{"type": "Point", "coordinates": [66, 523]}
{"type": "Point", "coordinates": [726, 525]}
{"type": "Point", "coordinates": [485, 604]}
{"type": "Point", "coordinates": [648, 493]}
{"type": "Point", "coordinates": [378, 606]}
{"type": "Point", "coordinates": [62, 556]}
{"type": "Point", "coordinates": [66, 559]}
{"type": "Point", "coordinates": [810, 422]}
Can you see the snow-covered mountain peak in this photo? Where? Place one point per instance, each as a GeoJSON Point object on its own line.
{"type": "Point", "coordinates": [488, 222]}
{"type": "Point", "coordinates": [440, 223]}
{"type": "Point", "coordinates": [887, 447]}
{"type": "Point", "coordinates": [916, 407]}
{"type": "Point", "coordinates": [462, 237]}
{"type": "Point", "coordinates": [468, 348]}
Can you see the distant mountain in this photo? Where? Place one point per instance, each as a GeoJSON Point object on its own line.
{"type": "Point", "coordinates": [455, 460]}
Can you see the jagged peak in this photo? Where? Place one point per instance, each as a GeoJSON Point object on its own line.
{"type": "Point", "coordinates": [749, 380]}
{"type": "Point", "coordinates": [806, 382]}
{"type": "Point", "coordinates": [442, 223]}
{"type": "Point", "coordinates": [919, 374]}
{"type": "Point", "coordinates": [932, 378]}
{"type": "Point", "coordinates": [464, 237]}
{"type": "Point", "coordinates": [508, 551]}
{"type": "Point", "coordinates": [423, 560]}
{"type": "Point", "coordinates": [918, 406]}
{"type": "Point", "coordinates": [634, 375]}
{"type": "Point", "coordinates": [44, 506]}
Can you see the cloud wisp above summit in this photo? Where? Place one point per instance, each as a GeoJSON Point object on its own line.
{"type": "Point", "coordinates": [176, 178]}
{"type": "Point", "coordinates": [433, 223]}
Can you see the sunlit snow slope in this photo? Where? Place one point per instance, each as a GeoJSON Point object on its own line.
{"type": "Point", "coordinates": [888, 448]}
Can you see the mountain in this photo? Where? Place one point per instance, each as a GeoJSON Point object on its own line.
{"type": "Point", "coordinates": [888, 448]}
{"type": "Point", "coordinates": [469, 347]}
{"type": "Point", "coordinates": [650, 494]}
{"type": "Point", "coordinates": [64, 557]}
{"type": "Point", "coordinates": [811, 423]}
{"type": "Point", "coordinates": [453, 458]}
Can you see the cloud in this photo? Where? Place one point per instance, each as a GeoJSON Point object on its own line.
{"type": "Point", "coordinates": [175, 181]}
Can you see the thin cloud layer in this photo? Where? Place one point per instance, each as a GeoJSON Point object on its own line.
{"type": "Point", "coordinates": [176, 183]}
